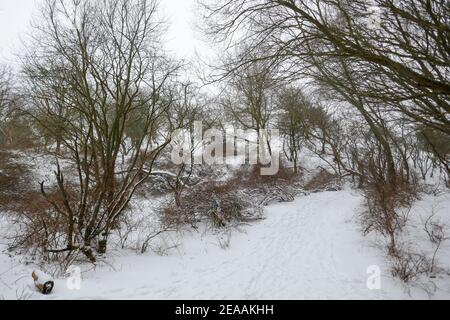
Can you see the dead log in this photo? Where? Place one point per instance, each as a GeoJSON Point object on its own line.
{"type": "Point", "coordinates": [43, 282]}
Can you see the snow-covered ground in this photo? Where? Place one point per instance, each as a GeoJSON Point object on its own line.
{"type": "Point", "coordinates": [311, 248]}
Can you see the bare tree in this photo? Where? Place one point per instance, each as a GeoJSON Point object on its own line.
{"type": "Point", "coordinates": [250, 99]}
{"type": "Point", "coordinates": [95, 65]}
{"type": "Point", "coordinates": [187, 108]}
{"type": "Point", "coordinates": [404, 44]}
{"type": "Point", "coordinates": [295, 110]}
{"type": "Point", "coordinates": [380, 56]}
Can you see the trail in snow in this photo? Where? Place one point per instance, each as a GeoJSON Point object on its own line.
{"type": "Point", "coordinates": [308, 249]}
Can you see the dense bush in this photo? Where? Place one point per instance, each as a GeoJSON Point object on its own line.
{"type": "Point", "coordinates": [217, 203]}
{"type": "Point", "coordinates": [238, 199]}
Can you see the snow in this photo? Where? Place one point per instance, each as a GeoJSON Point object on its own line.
{"type": "Point", "coordinates": [311, 248]}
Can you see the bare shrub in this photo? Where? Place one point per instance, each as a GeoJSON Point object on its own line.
{"type": "Point", "coordinates": [385, 195]}
{"type": "Point", "coordinates": [407, 266]}
{"type": "Point", "coordinates": [19, 135]}
{"type": "Point", "coordinates": [284, 175]}
{"type": "Point", "coordinates": [323, 181]}
{"type": "Point", "coordinates": [250, 176]}
{"type": "Point", "coordinates": [40, 227]}
{"type": "Point", "coordinates": [280, 187]}
{"type": "Point", "coordinates": [15, 181]}
{"type": "Point", "coordinates": [220, 204]}
{"type": "Point", "coordinates": [382, 214]}
{"type": "Point", "coordinates": [437, 236]}
{"type": "Point", "coordinates": [237, 200]}
{"type": "Point", "coordinates": [144, 245]}
{"type": "Point", "coordinates": [126, 230]}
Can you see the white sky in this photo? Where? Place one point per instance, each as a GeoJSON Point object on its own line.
{"type": "Point", "coordinates": [183, 40]}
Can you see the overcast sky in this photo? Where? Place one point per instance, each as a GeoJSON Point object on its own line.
{"type": "Point", "coordinates": [183, 40]}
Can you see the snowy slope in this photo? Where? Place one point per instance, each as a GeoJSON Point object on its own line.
{"type": "Point", "coordinates": [308, 249]}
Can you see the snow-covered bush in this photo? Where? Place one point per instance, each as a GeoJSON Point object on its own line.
{"type": "Point", "coordinates": [235, 200]}
{"type": "Point", "coordinates": [214, 202]}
